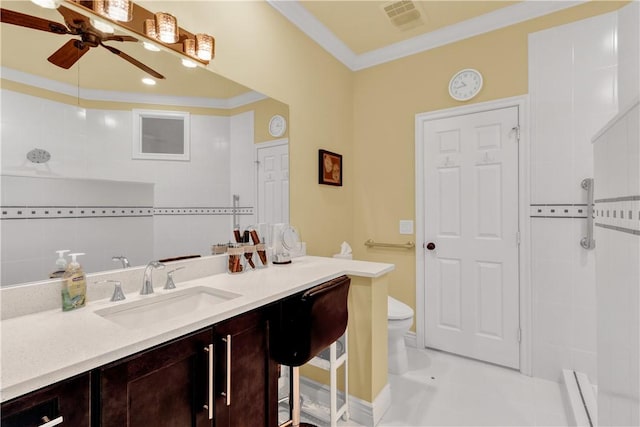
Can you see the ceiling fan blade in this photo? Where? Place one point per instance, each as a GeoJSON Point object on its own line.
{"type": "Point", "coordinates": [120, 38]}
{"type": "Point", "coordinates": [133, 61]}
{"type": "Point", "coordinates": [68, 54]}
{"type": "Point", "coordinates": [16, 18]}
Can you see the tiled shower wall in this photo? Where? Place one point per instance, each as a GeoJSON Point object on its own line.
{"type": "Point", "coordinates": [617, 234]}
{"type": "Point", "coordinates": [617, 231]}
{"type": "Point", "coordinates": [192, 200]}
{"type": "Point", "coordinates": [573, 73]}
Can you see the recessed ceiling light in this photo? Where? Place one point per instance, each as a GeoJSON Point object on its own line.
{"type": "Point", "coordinates": [189, 64]}
{"type": "Point", "coordinates": [148, 81]}
{"type": "Point", "coordinates": [150, 46]}
{"type": "Point", "coordinates": [102, 26]}
{"type": "Point", "coordinates": [48, 4]}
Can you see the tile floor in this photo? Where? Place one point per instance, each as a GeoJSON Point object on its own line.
{"type": "Point", "coordinates": [441, 389]}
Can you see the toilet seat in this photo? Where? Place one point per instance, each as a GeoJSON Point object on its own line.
{"type": "Point", "coordinates": [398, 310]}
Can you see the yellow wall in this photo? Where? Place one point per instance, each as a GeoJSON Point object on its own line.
{"type": "Point", "coordinates": [257, 47]}
{"type": "Point", "coordinates": [262, 113]}
{"type": "Point", "coordinates": [386, 100]}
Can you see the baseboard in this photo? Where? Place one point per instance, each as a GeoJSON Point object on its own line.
{"type": "Point", "coordinates": [360, 411]}
{"type": "Point", "coordinates": [581, 398]}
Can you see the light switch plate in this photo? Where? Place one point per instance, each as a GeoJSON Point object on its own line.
{"type": "Point", "coordinates": [406, 226]}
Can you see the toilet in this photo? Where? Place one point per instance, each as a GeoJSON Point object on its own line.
{"type": "Point", "coordinates": [400, 319]}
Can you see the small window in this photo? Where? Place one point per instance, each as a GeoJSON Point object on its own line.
{"type": "Point", "coordinates": [160, 135]}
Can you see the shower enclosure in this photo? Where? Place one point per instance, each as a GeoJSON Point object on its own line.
{"type": "Point", "coordinates": [582, 76]}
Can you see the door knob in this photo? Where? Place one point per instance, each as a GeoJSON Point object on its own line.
{"type": "Point", "coordinates": [431, 246]}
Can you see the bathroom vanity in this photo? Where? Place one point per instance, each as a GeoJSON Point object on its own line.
{"type": "Point", "coordinates": [109, 365]}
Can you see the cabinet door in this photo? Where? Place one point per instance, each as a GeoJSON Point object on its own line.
{"type": "Point", "coordinates": [67, 402]}
{"type": "Point", "coordinates": [166, 386]}
{"type": "Point", "coordinates": [246, 378]}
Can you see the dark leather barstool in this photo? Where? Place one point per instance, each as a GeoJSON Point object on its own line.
{"type": "Point", "coordinates": [303, 325]}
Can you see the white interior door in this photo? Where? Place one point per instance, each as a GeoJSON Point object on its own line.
{"type": "Point", "coordinates": [471, 219]}
{"type": "Point", "coordinates": [273, 182]}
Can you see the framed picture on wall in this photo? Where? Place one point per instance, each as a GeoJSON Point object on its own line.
{"type": "Point", "coordinates": [329, 168]}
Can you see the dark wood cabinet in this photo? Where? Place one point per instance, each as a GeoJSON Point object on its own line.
{"type": "Point", "coordinates": [68, 401]}
{"type": "Point", "coordinates": [166, 386]}
{"type": "Point", "coordinates": [246, 378]}
{"type": "Point", "coordinates": [220, 376]}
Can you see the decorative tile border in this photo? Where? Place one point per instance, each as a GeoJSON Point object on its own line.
{"type": "Point", "coordinates": [619, 214]}
{"type": "Point", "coordinates": [558, 211]}
{"type": "Point", "coordinates": [59, 212]}
{"type": "Point", "coordinates": [202, 211]}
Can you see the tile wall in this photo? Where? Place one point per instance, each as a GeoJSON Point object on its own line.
{"type": "Point", "coordinates": [617, 163]}
{"type": "Point", "coordinates": [573, 73]}
{"type": "Point", "coordinates": [617, 231]}
{"type": "Point", "coordinates": [191, 200]}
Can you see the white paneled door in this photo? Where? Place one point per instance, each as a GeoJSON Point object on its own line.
{"type": "Point", "coordinates": [471, 235]}
{"type": "Point", "coordinates": [273, 183]}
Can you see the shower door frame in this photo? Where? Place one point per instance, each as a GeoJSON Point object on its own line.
{"type": "Point", "coordinates": [522, 102]}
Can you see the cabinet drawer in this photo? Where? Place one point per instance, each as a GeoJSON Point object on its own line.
{"type": "Point", "coordinates": [66, 403]}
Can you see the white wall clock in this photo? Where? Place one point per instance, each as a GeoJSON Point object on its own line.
{"type": "Point", "coordinates": [277, 125]}
{"type": "Point", "coordinates": [465, 84]}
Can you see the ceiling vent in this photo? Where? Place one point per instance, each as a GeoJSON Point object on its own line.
{"type": "Point", "coordinates": [403, 14]}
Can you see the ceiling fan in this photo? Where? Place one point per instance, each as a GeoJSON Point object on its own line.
{"type": "Point", "coordinates": [76, 25]}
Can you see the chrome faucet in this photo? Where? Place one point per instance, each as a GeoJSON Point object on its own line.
{"type": "Point", "coordinates": [123, 259]}
{"type": "Point", "coordinates": [147, 280]}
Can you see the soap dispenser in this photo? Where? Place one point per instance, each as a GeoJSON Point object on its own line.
{"type": "Point", "coordinates": [61, 265]}
{"type": "Point", "coordinates": [74, 285]}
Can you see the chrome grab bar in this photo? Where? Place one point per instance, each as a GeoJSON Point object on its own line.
{"type": "Point", "coordinates": [371, 244]}
{"type": "Point", "coordinates": [588, 242]}
{"type": "Point", "coordinates": [236, 205]}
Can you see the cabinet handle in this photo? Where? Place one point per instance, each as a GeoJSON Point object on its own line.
{"type": "Point", "coordinates": [51, 423]}
{"type": "Point", "coordinates": [227, 340]}
{"type": "Point", "coordinates": [209, 405]}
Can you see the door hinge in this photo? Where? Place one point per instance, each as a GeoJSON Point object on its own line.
{"type": "Point", "coordinates": [519, 335]}
{"type": "Point", "coordinates": [518, 238]}
{"type": "Point", "coordinates": [516, 130]}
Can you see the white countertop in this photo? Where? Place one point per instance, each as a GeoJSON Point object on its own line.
{"type": "Point", "coordinates": [43, 348]}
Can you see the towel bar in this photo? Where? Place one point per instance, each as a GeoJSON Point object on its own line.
{"type": "Point", "coordinates": [371, 244]}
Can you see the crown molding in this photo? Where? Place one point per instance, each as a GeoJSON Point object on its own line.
{"type": "Point", "coordinates": [310, 25]}
{"type": "Point", "coordinates": [129, 97]}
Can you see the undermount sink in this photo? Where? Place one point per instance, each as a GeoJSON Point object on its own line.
{"type": "Point", "coordinates": [164, 307]}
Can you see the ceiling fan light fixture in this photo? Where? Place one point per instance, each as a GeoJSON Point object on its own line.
{"type": "Point", "coordinates": [190, 47]}
{"type": "Point", "coordinates": [47, 4]}
{"type": "Point", "coordinates": [119, 10]}
{"type": "Point", "coordinates": [204, 46]}
{"type": "Point", "coordinates": [166, 27]}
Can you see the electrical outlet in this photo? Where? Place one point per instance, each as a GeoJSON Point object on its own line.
{"type": "Point", "coordinates": [406, 226]}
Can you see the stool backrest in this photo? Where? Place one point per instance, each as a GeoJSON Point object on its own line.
{"type": "Point", "coordinates": [303, 325]}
